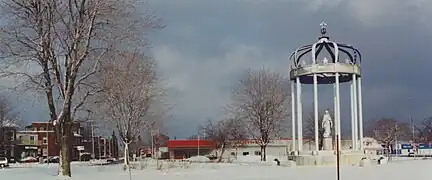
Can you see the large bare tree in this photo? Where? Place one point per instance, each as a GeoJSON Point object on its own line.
{"type": "Point", "coordinates": [56, 46]}
{"type": "Point", "coordinates": [386, 130]}
{"type": "Point", "coordinates": [261, 101]}
{"type": "Point", "coordinates": [225, 133]}
{"type": "Point", "coordinates": [131, 91]}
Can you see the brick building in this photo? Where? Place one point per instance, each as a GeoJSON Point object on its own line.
{"type": "Point", "coordinates": [7, 141]}
{"type": "Point", "coordinates": [38, 140]}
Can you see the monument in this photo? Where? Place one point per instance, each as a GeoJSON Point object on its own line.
{"type": "Point", "coordinates": [327, 125]}
{"type": "Point", "coordinates": [326, 62]}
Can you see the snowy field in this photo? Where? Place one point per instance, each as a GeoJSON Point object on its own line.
{"type": "Point", "coordinates": [418, 169]}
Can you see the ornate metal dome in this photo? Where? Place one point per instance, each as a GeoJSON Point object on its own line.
{"type": "Point", "coordinates": [306, 60]}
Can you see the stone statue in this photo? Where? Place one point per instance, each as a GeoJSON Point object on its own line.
{"type": "Point", "coordinates": [327, 124]}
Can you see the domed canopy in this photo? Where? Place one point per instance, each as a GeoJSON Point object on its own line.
{"type": "Point", "coordinates": [308, 60]}
{"type": "Point", "coordinates": [302, 55]}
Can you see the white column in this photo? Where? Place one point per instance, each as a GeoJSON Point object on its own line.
{"type": "Point", "coordinates": [315, 79]}
{"type": "Point", "coordinates": [299, 116]}
{"type": "Point", "coordinates": [356, 136]}
{"type": "Point", "coordinates": [315, 91]}
{"type": "Point", "coordinates": [293, 136]}
{"type": "Point", "coordinates": [353, 130]}
{"type": "Point", "coordinates": [360, 113]}
{"type": "Point", "coordinates": [338, 110]}
{"type": "Point", "coordinates": [335, 123]}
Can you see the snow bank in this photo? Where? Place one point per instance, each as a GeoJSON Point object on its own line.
{"type": "Point", "coordinates": [201, 159]}
{"type": "Point", "coordinates": [251, 159]}
{"type": "Point", "coordinates": [29, 159]}
{"type": "Point", "coordinates": [215, 171]}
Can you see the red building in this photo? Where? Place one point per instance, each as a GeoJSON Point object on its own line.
{"type": "Point", "coordinates": [179, 149]}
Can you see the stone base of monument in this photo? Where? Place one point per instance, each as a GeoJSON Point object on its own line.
{"type": "Point", "coordinates": [327, 144]}
{"type": "Point", "coordinates": [321, 158]}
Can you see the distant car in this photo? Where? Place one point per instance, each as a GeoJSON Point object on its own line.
{"type": "Point", "coordinates": [54, 159]}
{"type": "Point", "coordinates": [12, 160]}
{"type": "Point", "coordinates": [4, 162]}
{"type": "Point", "coordinates": [212, 157]}
{"type": "Point", "coordinates": [29, 160]}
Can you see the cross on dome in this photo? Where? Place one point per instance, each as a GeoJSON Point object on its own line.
{"type": "Point", "coordinates": [323, 28]}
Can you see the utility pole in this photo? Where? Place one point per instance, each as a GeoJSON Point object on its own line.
{"type": "Point", "coordinates": [396, 141]}
{"type": "Point", "coordinates": [198, 144]}
{"type": "Point", "coordinates": [99, 147]}
{"type": "Point", "coordinates": [92, 140]}
{"type": "Point", "coordinates": [152, 143]}
{"type": "Point", "coordinates": [413, 130]}
{"type": "Point", "coordinates": [47, 135]}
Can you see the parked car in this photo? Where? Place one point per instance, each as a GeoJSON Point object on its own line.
{"type": "Point", "coordinates": [4, 162]}
{"type": "Point", "coordinates": [29, 159]}
{"type": "Point", "coordinates": [12, 160]}
{"type": "Point", "coordinates": [54, 159]}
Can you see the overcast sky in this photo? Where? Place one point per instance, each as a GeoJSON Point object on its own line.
{"type": "Point", "coordinates": [207, 44]}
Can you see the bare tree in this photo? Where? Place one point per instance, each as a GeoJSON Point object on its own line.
{"type": "Point", "coordinates": [261, 100]}
{"type": "Point", "coordinates": [385, 130]}
{"type": "Point", "coordinates": [226, 134]}
{"type": "Point", "coordinates": [64, 42]}
{"type": "Point", "coordinates": [130, 92]}
{"type": "Point", "coordinates": [424, 130]}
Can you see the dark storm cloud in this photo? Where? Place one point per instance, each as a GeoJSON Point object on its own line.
{"type": "Point", "coordinates": [203, 38]}
{"type": "Point", "coordinates": [207, 44]}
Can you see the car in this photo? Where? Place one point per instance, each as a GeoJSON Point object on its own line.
{"type": "Point", "coordinates": [12, 160]}
{"type": "Point", "coordinates": [4, 162]}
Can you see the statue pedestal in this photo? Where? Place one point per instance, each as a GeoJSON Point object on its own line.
{"type": "Point", "coordinates": [327, 144]}
{"type": "Point", "coordinates": [323, 158]}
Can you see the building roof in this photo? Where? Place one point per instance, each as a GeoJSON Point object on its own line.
{"type": "Point", "coordinates": [190, 143]}
{"type": "Point", "coordinates": [9, 124]}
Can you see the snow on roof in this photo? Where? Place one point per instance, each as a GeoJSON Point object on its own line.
{"type": "Point", "coordinates": [9, 124]}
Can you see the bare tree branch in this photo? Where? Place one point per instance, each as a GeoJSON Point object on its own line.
{"type": "Point", "coordinates": [130, 92]}
{"type": "Point", "coordinates": [226, 133]}
{"type": "Point", "coordinates": [385, 130]}
{"type": "Point", "coordinates": [261, 100]}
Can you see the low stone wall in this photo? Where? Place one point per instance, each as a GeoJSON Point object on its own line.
{"type": "Point", "coordinates": [327, 158]}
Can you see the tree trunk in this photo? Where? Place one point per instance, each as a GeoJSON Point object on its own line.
{"type": "Point", "coordinates": [126, 155]}
{"type": "Point", "coordinates": [263, 153]}
{"type": "Point", "coordinates": [65, 169]}
{"type": "Point", "coordinates": [221, 154]}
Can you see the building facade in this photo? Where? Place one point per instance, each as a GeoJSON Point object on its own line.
{"type": "Point", "coordinates": [7, 141]}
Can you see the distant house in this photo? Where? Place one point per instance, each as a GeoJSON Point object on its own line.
{"type": "Point", "coordinates": [7, 142]}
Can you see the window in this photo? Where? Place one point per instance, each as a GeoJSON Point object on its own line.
{"type": "Point", "coordinates": [245, 153]}
{"type": "Point", "coordinates": [42, 129]}
{"type": "Point", "coordinates": [233, 153]}
{"type": "Point", "coordinates": [32, 140]}
{"type": "Point", "coordinates": [257, 153]}
{"type": "Point", "coordinates": [45, 141]}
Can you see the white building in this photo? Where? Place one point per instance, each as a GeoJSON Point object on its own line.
{"type": "Point", "coordinates": [281, 147]}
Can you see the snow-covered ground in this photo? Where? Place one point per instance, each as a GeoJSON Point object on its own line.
{"type": "Point", "coordinates": [417, 169]}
